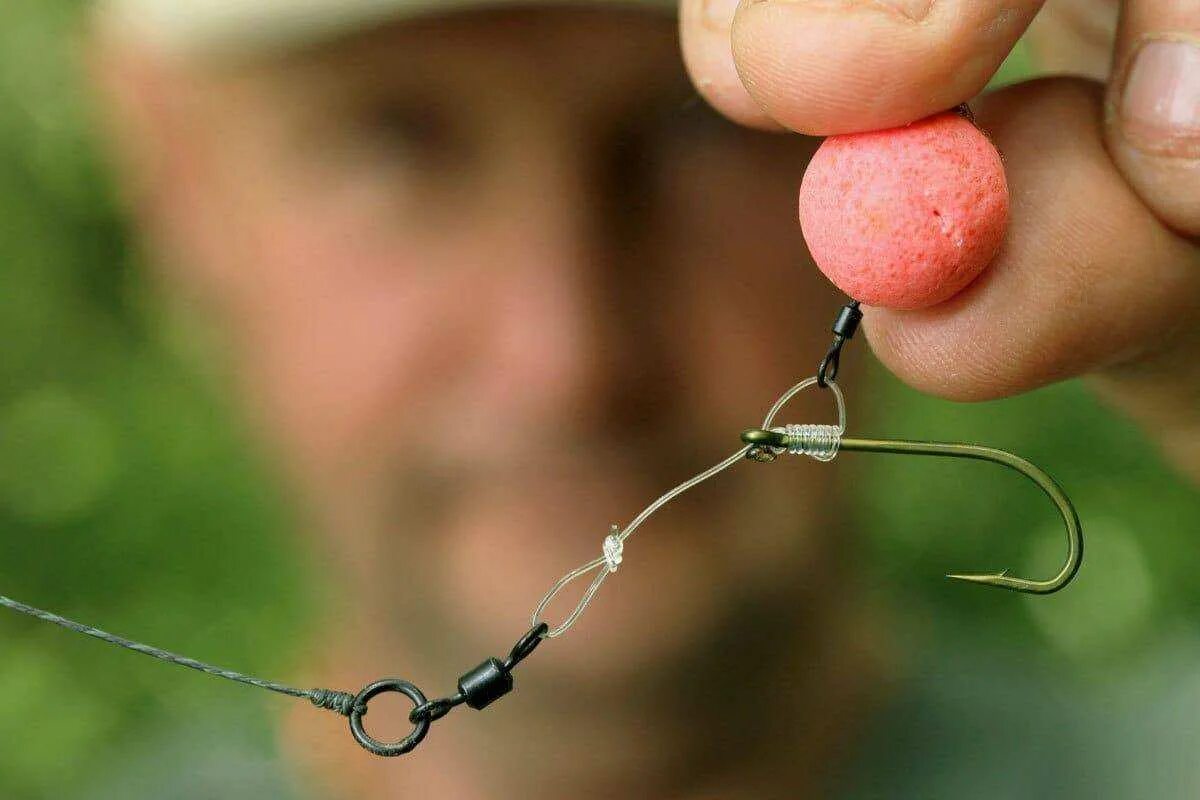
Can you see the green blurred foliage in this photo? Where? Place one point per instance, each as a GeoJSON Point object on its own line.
{"type": "Point", "coordinates": [127, 495]}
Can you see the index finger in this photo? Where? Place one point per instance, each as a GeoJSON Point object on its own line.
{"type": "Point", "coordinates": [836, 66]}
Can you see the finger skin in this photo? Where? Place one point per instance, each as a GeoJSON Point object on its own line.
{"type": "Point", "coordinates": [1160, 159]}
{"type": "Point", "coordinates": [841, 66]}
{"type": "Point", "coordinates": [1074, 37]}
{"type": "Point", "coordinates": [1088, 277]}
{"type": "Point", "coordinates": [704, 30]}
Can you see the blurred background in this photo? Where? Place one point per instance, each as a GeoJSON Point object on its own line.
{"type": "Point", "coordinates": [130, 499]}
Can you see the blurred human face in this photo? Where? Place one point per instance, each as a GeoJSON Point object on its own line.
{"type": "Point", "coordinates": [495, 281]}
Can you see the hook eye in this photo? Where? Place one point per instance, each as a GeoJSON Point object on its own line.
{"type": "Point", "coordinates": [757, 437]}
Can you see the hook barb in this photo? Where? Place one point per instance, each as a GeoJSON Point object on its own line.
{"type": "Point", "coordinates": [1047, 484]}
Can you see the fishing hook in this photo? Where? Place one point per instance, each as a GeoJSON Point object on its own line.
{"type": "Point", "coordinates": [794, 441]}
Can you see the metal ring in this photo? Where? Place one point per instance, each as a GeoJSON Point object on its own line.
{"type": "Point", "coordinates": [359, 708]}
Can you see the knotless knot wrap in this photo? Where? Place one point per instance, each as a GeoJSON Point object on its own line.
{"type": "Point", "coordinates": [816, 441]}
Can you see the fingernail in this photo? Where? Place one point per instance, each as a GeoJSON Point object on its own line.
{"type": "Point", "coordinates": [718, 14]}
{"type": "Point", "coordinates": [913, 9]}
{"type": "Point", "coordinates": [1161, 101]}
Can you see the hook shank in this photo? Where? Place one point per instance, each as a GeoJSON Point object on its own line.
{"type": "Point", "coordinates": [1015, 462]}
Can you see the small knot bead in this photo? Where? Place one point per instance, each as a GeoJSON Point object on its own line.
{"type": "Point", "coordinates": [614, 549]}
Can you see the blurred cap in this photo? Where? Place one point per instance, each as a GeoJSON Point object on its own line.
{"type": "Point", "coordinates": [254, 27]}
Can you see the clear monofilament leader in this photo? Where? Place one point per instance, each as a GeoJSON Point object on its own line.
{"type": "Point", "coordinates": [816, 441]}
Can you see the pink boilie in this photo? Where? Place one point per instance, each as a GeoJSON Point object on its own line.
{"type": "Point", "coordinates": [905, 218]}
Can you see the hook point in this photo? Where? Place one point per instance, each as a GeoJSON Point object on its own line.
{"type": "Point", "coordinates": [1003, 580]}
{"type": "Point", "coordinates": [988, 579]}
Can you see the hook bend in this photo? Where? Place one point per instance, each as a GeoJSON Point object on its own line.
{"type": "Point", "coordinates": [1047, 484]}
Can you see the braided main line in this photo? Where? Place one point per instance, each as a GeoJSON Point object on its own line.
{"type": "Point", "coordinates": [340, 702]}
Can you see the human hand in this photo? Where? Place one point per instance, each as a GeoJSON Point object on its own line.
{"type": "Point", "coordinates": [1100, 271]}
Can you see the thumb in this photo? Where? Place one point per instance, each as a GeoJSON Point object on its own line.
{"type": "Point", "coordinates": [1153, 108]}
{"type": "Point", "coordinates": [824, 67]}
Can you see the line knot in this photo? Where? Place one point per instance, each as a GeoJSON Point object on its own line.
{"type": "Point", "coordinates": [614, 549]}
{"type": "Point", "coordinates": [341, 702]}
